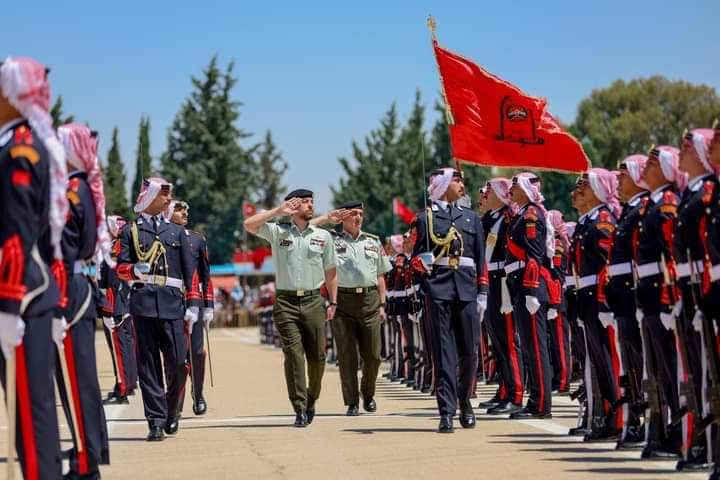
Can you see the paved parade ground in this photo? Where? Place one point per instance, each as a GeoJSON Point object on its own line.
{"type": "Point", "coordinates": [248, 433]}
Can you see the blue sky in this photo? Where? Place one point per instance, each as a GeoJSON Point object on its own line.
{"type": "Point", "coordinates": [320, 74]}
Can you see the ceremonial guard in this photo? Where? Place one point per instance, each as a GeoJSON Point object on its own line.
{"type": "Point", "coordinates": [34, 180]}
{"type": "Point", "coordinates": [391, 329]}
{"type": "Point", "coordinates": [689, 255]}
{"type": "Point", "coordinates": [620, 295]}
{"type": "Point", "coordinates": [657, 294]}
{"type": "Point", "coordinates": [155, 255]}
{"type": "Point", "coordinates": [449, 252]}
{"type": "Point", "coordinates": [597, 191]}
{"type": "Point", "coordinates": [117, 322]}
{"type": "Point", "coordinates": [178, 214]}
{"type": "Point", "coordinates": [361, 268]}
{"type": "Point", "coordinates": [85, 233]}
{"type": "Point", "coordinates": [557, 316]}
{"type": "Point", "coordinates": [499, 212]}
{"type": "Point", "coordinates": [304, 258]}
{"type": "Point", "coordinates": [525, 258]}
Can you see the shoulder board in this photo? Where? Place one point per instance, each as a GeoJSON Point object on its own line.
{"type": "Point", "coordinates": [371, 236]}
{"type": "Point", "coordinates": [334, 233]}
{"type": "Point", "coordinates": [25, 151]}
{"type": "Point", "coordinates": [708, 190]}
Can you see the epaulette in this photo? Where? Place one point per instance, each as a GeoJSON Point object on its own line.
{"type": "Point", "coordinates": [708, 190]}
{"type": "Point", "coordinates": [374, 237]}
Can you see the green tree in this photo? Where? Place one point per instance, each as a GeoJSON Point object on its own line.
{"type": "Point", "coordinates": [273, 167]}
{"type": "Point", "coordinates": [115, 193]}
{"type": "Point", "coordinates": [628, 117]}
{"type": "Point", "coordinates": [204, 159]}
{"type": "Point", "coordinates": [57, 114]}
{"type": "Point", "coordinates": [143, 158]}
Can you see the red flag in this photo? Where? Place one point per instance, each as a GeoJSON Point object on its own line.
{"type": "Point", "coordinates": [248, 209]}
{"type": "Point", "coordinates": [496, 124]}
{"type": "Point", "coordinates": [402, 211]}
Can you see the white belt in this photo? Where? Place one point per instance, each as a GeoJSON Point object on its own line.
{"type": "Point", "coordinates": [403, 293]}
{"type": "Point", "coordinates": [161, 280]}
{"type": "Point", "coordinates": [514, 266]}
{"type": "Point", "coordinates": [461, 261]}
{"type": "Point", "coordinates": [715, 272]}
{"type": "Point", "coordinates": [493, 266]}
{"type": "Point", "coordinates": [80, 267]}
{"type": "Point", "coordinates": [587, 281]}
{"type": "Point", "coordinates": [683, 269]}
{"type": "Point", "coordinates": [570, 281]}
{"type": "Point", "coordinates": [648, 269]}
{"type": "Point", "coordinates": [620, 269]}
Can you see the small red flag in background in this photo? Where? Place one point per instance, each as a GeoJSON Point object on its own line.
{"type": "Point", "coordinates": [248, 209]}
{"type": "Point", "coordinates": [496, 124]}
{"type": "Point", "coordinates": [402, 211]}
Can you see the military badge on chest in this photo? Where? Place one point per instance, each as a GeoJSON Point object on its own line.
{"type": "Point", "coordinates": [286, 242]}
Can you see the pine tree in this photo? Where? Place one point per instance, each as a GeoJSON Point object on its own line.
{"type": "Point", "coordinates": [115, 193]}
{"type": "Point", "coordinates": [57, 114]}
{"type": "Point", "coordinates": [205, 162]}
{"type": "Point", "coordinates": [143, 162]}
{"type": "Point", "coordinates": [272, 167]}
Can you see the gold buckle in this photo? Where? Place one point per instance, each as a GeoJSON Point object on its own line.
{"type": "Point", "coordinates": [160, 280]}
{"type": "Point", "coordinates": [359, 290]}
{"type": "Point", "coordinates": [300, 293]}
{"type": "Point", "coordinates": [453, 262]}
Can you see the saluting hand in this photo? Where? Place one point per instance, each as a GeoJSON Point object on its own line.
{"type": "Point", "coordinates": [337, 216]}
{"type": "Point", "coordinates": [289, 207]}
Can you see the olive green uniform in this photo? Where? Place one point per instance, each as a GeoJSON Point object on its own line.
{"type": "Point", "coordinates": [356, 325]}
{"type": "Point", "coordinates": [301, 259]}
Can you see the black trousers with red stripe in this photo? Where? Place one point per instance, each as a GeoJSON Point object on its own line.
{"type": "Point", "coordinates": [79, 350]}
{"type": "Point", "coordinates": [559, 330]}
{"type": "Point", "coordinates": [121, 343]}
{"type": "Point", "coordinates": [195, 368]}
{"type": "Point", "coordinates": [156, 337]}
{"type": "Point", "coordinates": [534, 338]}
{"type": "Point", "coordinates": [506, 347]}
{"type": "Point", "coordinates": [37, 438]}
{"type": "Point", "coordinates": [454, 336]}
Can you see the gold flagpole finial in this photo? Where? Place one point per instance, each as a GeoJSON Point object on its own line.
{"type": "Point", "coordinates": [716, 124]}
{"type": "Point", "coordinates": [432, 25]}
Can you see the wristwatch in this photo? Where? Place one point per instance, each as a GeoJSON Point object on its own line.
{"type": "Point", "coordinates": [333, 304]}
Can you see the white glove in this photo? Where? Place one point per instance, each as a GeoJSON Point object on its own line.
{"type": "Point", "coordinates": [532, 304]}
{"type": "Point", "coordinates": [482, 301]}
{"type": "Point", "coordinates": [208, 316]}
{"type": "Point", "coordinates": [639, 315]}
{"type": "Point", "coordinates": [668, 320]}
{"type": "Point", "coordinates": [141, 268]}
{"type": "Point", "coordinates": [59, 328]}
{"type": "Point", "coordinates": [191, 316]}
{"type": "Point", "coordinates": [506, 303]}
{"type": "Point", "coordinates": [109, 322]}
{"type": "Point", "coordinates": [552, 313]}
{"type": "Point", "coordinates": [606, 318]}
{"type": "Point", "coordinates": [12, 328]}
{"type": "Point", "coordinates": [677, 308]}
{"type": "Point", "coordinates": [697, 321]}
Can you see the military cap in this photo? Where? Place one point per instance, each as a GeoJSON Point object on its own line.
{"type": "Point", "coordinates": [299, 193]}
{"type": "Point", "coordinates": [352, 204]}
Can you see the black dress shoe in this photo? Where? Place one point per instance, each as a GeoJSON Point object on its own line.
{"type": "Point", "coordinates": [634, 438]}
{"type": "Point", "coordinates": [171, 427]}
{"type": "Point", "coordinates": [310, 414]}
{"type": "Point", "coordinates": [301, 420]}
{"type": "Point", "coordinates": [467, 416]}
{"type": "Point", "coordinates": [155, 435]}
{"type": "Point", "coordinates": [493, 402]}
{"type": "Point", "coordinates": [115, 400]}
{"type": "Point", "coordinates": [200, 407]}
{"type": "Point", "coordinates": [505, 408]}
{"type": "Point", "coordinates": [352, 411]}
{"type": "Point", "coordinates": [369, 405]}
{"type": "Point", "coordinates": [526, 413]}
{"type": "Point", "coordinates": [76, 476]}
{"type": "Point", "coordinates": [446, 424]}
{"type": "Point", "coordinates": [578, 431]}
{"type": "Point", "coordinates": [655, 451]}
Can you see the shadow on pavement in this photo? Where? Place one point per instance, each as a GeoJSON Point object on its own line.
{"type": "Point", "coordinates": [370, 431]}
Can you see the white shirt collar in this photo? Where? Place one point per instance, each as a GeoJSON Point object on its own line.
{"type": "Point", "coordinates": [149, 218]}
{"type": "Point", "coordinates": [696, 182]}
{"type": "Point", "coordinates": [442, 203]}
{"type": "Point", "coordinates": [656, 195]}
{"type": "Point", "coordinates": [590, 213]}
{"type": "Point", "coordinates": [636, 198]}
{"type": "Point", "coordinates": [496, 213]}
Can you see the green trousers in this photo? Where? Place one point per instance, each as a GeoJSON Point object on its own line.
{"type": "Point", "coordinates": [300, 321]}
{"type": "Point", "coordinates": [356, 327]}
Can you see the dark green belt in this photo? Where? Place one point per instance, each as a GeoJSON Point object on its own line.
{"type": "Point", "coordinates": [357, 289]}
{"type": "Point", "coordinates": [297, 293]}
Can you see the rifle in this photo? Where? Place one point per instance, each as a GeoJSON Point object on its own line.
{"type": "Point", "coordinates": [686, 387]}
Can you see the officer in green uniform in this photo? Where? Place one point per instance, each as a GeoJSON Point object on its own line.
{"type": "Point", "coordinates": [304, 258]}
{"type": "Point", "coordinates": [362, 264]}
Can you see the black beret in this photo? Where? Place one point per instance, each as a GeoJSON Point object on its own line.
{"type": "Point", "coordinates": [351, 204]}
{"type": "Point", "coordinates": [299, 193]}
